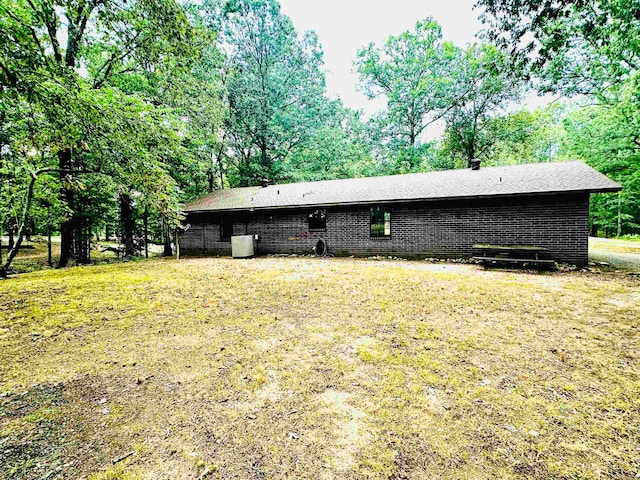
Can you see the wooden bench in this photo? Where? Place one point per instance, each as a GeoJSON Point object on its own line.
{"type": "Point", "coordinates": [515, 254]}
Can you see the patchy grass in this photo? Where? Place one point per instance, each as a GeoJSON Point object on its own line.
{"type": "Point", "coordinates": [34, 257]}
{"type": "Point", "coordinates": [630, 238]}
{"type": "Point", "coordinates": [318, 368]}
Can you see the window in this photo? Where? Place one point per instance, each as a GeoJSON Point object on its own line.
{"type": "Point", "coordinates": [318, 219]}
{"type": "Point", "coordinates": [226, 229]}
{"type": "Point", "coordinates": [380, 222]}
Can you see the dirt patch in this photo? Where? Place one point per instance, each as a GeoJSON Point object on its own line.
{"type": "Point", "coordinates": [350, 430]}
{"type": "Point", "coordinates": [33, 440]}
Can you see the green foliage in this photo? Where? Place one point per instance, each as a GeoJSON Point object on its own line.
{"type": "Point", "coordinates": [528, 137]}
{"type": "Point", "coordinates": [606, 137]}
{"type": "Point", "coordinates": [413, 71]}
{"type": "Point", "coordinates": [83, 73]}
{"type": "Point", "coordinates": [574, 47]}
{"type": "Point", "coordinates": [426, 79]}
{"type": "Point", "coordinates": [488, 84]}
{"type": "Point", "coordinates": [275, 88]}
{"type": "Point", "coordinates": [336, 149]}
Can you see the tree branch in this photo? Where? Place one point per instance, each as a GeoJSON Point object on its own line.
{"type": "Point", "coordinates": [32, 31]}
{"type": "Point", "coordinates": [76, 31]}
{"type": "Point", "coordinates": [110, 63]}
{"type": "Point", "coordinates": [49, 19]}
{"type": "Point", "coordinates": [9, 74]}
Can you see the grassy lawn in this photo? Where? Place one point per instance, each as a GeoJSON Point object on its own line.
{"type": "Point", "coordinates": [318, 368]}
{"type": "Point", "coordinates": [34, 254]}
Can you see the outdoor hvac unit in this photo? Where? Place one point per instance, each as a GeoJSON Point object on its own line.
{"type": "Point", "coordinates": [243, 246]}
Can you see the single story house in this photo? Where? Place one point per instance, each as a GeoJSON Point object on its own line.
{"type": "Point", "coordinates": [418, 215]}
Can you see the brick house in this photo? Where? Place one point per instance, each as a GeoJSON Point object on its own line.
{"type": "Point", "coordinates": [434, 214]}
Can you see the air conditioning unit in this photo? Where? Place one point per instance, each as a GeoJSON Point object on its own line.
{"type": "Point", "coordinates": [243, 246]}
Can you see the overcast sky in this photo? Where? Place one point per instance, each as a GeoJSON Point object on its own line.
{"type": "Point", "coordinates": [344, 26]}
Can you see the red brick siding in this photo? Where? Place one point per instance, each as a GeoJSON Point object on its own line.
{"type": "Point", "coordinates": [430, 229]}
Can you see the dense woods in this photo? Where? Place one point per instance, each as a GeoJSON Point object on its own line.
{"type": "Point", "coordinates": [113, 112]}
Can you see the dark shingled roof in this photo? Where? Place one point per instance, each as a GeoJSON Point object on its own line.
{"type": "Point", "coordinates": [529, 179]}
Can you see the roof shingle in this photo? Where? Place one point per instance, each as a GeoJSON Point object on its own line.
{"type": "Point", "coordinates": [527, 179]}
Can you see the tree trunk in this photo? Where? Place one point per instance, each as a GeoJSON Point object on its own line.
{"type": "Point", "coordinates": [82, 234]}
{"type": "Point", "coordinates": [4, 268]}
{"type": "Point", "coordinates": [266, 167]}
{"type": "Point", "coordinates": [167, 239]}
{"type": "Point", "coordinates": [412, 137]}
{"type": "Point", "coordinates": [219, 157]}
{"type": "Point", "coordinates": [146, 233]}
{"type": "Point", "coordinates": [619, 230]}
{"type": "Point", "coordinates": [49, 260]}
{"type": "Point", "coordinates": [11, 232]}
{"type": "Point", "coordinates": [126, 218]}
{"type": "Point", "coordinates": [211, 176]}
{"type": "Point", "coordinates": [471, 153]}
{"type": "Point", "coordinates": [221, 173]}
{"type": "Point", "coordinates": [30, 230]}
{"type": "Point", "coordinates": [210, 179]}
{"type": "Point", "coordinates": [67, 225]}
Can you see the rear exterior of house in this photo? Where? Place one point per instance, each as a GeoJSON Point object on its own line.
{"type": "Point", "coordinates": [438, 214]}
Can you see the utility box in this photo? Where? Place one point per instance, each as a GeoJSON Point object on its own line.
{"type": "Point", "coordinates": [243, 246]}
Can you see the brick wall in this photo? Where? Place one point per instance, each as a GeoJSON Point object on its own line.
{"type": "Point", "coordinates": [430, 229]}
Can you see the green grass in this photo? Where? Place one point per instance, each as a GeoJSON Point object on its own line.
{"type": "Point", "coordinates": [630, 238]}
{"type": "Point", "coordinates": [34, 257]}
{"type": "Point", "coordinates": [319, 368]}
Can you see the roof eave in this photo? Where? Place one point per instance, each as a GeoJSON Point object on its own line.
{"type": "Point", "coordinates": [412, 200]}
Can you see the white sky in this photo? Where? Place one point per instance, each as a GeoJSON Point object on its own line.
{"type": "Point", "coordinates": [343, 26]}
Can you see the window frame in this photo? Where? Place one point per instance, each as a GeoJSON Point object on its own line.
{"type": "Point", "coordinates": [386, 221]}
{"type": "Point", "coordinates": [310, 216]}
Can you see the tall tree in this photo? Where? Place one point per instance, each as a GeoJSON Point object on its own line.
{"type": "Point", "coordinates": [274, 83]}
{"type": "Point", "coordinates": [590, 48]}
{"type": "Point", "coordinates": [490, 85]}
{"type": "Point", "coordinates": [136, 131]}
{"type": "Point", "coordinates": [579, 46]}
{"type": "Point", "coordinates": [606, 136]}
{"type": "Point", "coordinates": [415, 72]}
{"type": "Point", "coordinates": [46, 45]}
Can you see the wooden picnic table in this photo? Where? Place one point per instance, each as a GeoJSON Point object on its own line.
{"type": "Point", "coordinates": [522, 254]}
